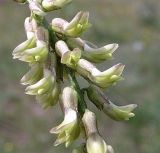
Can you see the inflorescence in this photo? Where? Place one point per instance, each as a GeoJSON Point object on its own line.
{"type": "Point", "coordinates": [56, 56]}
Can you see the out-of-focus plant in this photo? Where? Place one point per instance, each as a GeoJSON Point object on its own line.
{"type": "Point", "coordinates": [56, 54]}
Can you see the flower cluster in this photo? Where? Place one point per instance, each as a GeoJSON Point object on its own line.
{"type": "Point", "coordinates": [56, 55]}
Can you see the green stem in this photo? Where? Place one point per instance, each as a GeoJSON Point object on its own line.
{"type": "Point", "coordinates": [81, 102]}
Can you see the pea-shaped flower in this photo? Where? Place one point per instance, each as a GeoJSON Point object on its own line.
{"type": "Point", "coordinates": [77, 25]}
{"type": "Point", "coordinates": [51, 98]}
{"type": "Point", "coordinates": [74, 28]}
{"type": "Point", "coordinates": [33, 75]}
{"type": "Point", "coordinates": [42, 86]}
{"type": "Point", "coordinates": [69, 129]}
{"type": "Point", "coordinates": [50, 5]}
{"type": "Point", "coordinates": [102, 79]}
{"type": "Point", "coordinates": [115, 112]}
{"type": "Point", "coordinates": [95, 143]}
{"type": "Point", "coordinates": [70, 58]}
{"type": "Point", "coordinates": [37, 54]}
{"type": "Point", "coordinates": [91, 52]}
{"type": "Point", "coordinates": [28, 44]}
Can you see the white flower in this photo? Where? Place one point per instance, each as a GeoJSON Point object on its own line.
{"type": "Point", "coordinates": [69, 129]}
{"type": "Point", "coordinates": [95, 143]}
{"type": "Point", "coordinates": [33, 75]}
{"type": "Point", "coordinates": [42, 86]}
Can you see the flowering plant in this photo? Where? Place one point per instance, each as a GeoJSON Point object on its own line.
{"type": "Point", "coordinates": [56, 54]}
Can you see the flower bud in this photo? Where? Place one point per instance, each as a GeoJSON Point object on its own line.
{"type": "Point", "coordinates": [69, 129]}
{"type": "Point", "coordinates": [77, 25]}
{"type": "Point", "coordinates": [70, 58]}
{"type": "Point", "coordinates": [28, 44]}
{"type": "Point", "coordinates": [51, 5]}
{"type": "Point", "coordinates": [95, 143]}
{"type": "Point", "coordinates": [115, 112]}
{"type": "Point", "coordinates": [36, 8]}
{"type": "Point", "coordinates": [33, 75]}
{"type": "Point", "coordinates": [42, 86]}
{"type": "Point", "coordinates": [37, 54]}
{"type": "Point", "coordinates": [51, 98]}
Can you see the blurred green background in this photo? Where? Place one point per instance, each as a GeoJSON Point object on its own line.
{"type": "Point", "coordinates": [135, 25]}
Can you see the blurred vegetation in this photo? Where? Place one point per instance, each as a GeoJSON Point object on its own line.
{"type": "Point", "coordinates": [135, 25]}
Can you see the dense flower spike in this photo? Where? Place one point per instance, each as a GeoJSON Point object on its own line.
{"type": "Point", "coordinates": [56, 55]}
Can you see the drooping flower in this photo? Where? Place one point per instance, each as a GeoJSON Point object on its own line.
{"type": "Point", "coordinates": [33, 75]}
{"type": "Point", "coordinates": [95, 143]}
{"type": "Point", "coordinates": [102, 79]}
{"type": "Point", "coordinates": [69, 129]}
{"type": "Point", "coordinates": [42, 86]}
{"type": "Point", "coordinates": [115, 112]}
{"type": "Point", "coordinates": [91, 52]}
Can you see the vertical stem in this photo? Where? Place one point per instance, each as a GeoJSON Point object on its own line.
{"type": "Point", "coordinates": [81, 102]}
